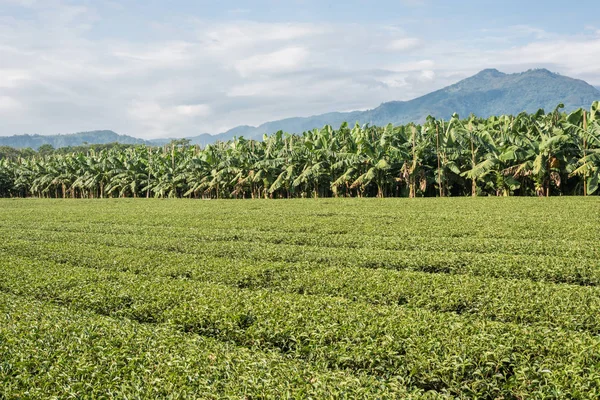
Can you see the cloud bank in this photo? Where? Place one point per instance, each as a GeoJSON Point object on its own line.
{"type": "Point", "coordinates": [61, 73]}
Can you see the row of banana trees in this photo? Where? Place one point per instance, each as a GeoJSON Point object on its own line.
{"type": "Point", "coordinates": [528, 154]}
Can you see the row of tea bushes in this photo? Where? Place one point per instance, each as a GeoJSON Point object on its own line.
{"type": "Point", "coordinates": [53, 352]}
{"type": "Point", "coordinates": [583, 271]}
{"type": "Point", "coordinates": [420, 349]}
{"type": "Point", "coordinates": [519, 301]}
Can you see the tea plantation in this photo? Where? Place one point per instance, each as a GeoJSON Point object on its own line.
{"type": "Point", "coordinates": [330, 298]}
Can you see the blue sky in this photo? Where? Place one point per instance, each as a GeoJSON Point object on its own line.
{"type": "Point", "coordinates": [180, 68]}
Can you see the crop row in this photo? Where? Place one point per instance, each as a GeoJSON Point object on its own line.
{"type": "Point", "coordinates": [537, 219]}
{"type": "Point", "coordinates": [51, 352]}
{"type": "Point", "coordinates": [571, 270]}
{"type": "Point", "coordinates": [549, 247]}
{"type": "Point", "coordinates": [518, 301]}
{"type": "Point", "coordinates": [420, 349]}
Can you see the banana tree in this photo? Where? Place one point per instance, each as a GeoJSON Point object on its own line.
{"type": "Point", "coordinates": [587, 130]}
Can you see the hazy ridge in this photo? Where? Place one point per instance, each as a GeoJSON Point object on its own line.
{"type": "Point", "coordinates": [490, 92]}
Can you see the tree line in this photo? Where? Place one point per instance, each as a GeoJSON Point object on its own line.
{"type": "Point", "coordinates": [538, 154]}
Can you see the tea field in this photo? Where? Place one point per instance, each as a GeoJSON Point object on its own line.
{"type": "Point", "coordinates": [329, 298]}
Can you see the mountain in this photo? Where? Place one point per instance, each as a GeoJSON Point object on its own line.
{"type": "Point", "coordinates": [490, 92]}
{"type": "Point", "coordinates": [73, 139]}
{"type": "Point", "coordinates": [206, 138]}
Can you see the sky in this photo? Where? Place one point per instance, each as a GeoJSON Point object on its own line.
{"type": "Point", "coordinates": [180, 68]}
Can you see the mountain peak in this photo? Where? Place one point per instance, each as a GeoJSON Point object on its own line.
{"type": "Point", "coordinates": [491, 72]}
{"type": "Point", "coordinates": [541, 72]}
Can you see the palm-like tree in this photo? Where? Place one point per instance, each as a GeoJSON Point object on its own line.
{"type": "Point", "coordinates": [586, 129]}
{"type": "Point", "coordinates": [525, 154]}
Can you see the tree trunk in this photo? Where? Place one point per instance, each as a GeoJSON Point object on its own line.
{"type": "Point", "coordinates": [548, 180]}
{"type": "Point", "coordinates": [413, 183]}
{"type": "Point", "coordinates": [473, 181]}
{"type": "Point", "coordinates": [584, 152]}
{"type": "Point", "coordinates": [149, 170]}
{"type": "Point", "coordinates": [437, 153]}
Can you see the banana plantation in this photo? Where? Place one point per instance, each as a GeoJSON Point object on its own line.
{"type": "Point", "coordinates": [540, 154]}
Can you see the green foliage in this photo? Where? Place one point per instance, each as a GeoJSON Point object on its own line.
{"type": "Point", "coordinates": [51, 352]}
{"type": "Point", "coordinates": [10, 153]}
{"type": "Point", "coordinates": [530, 154]}
{"type": "Point", "coordinates": [336, 298]}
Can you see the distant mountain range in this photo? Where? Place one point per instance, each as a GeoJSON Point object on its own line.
{"type": "Point", "coordinates": [490, 92]}
{"type": "Point", "coordinates": [66, 140]}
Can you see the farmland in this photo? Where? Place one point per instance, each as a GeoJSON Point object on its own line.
{"type": "Point", "coordinates": [303, 298]}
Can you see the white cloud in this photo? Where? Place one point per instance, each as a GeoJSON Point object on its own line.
{"type": "Point", "coordinates": [575, 56]}
{"type": "Point", "coordinates": [427, 75]}
{"type": "Point", "coordinates": [11, 78]}
{"type": "Point", "coordinates": [59, 73]}
{"type": "Point", "coordinates": [278, 61]}
{"type": "Point", "coordinates": [412, 66]}
{"type": "Point", "coordinates": [193, 110]}
{"type": "Point", "coordinates": [158, 120]}
{"type": "Point", "coordinates": [166, 54]}
{"type": "Point", "coordinates": [245, 35]}
{"type": "Point", "coordinates": [22, 3]}
{"type": "Point", "coordinates": [271, 87]}
{"type": "Point", "coordinates": [9, 104]}
{"type": "Point", "coordinates": [530, 30]}
{"type": "Point", "coordinates": [403, 44]}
